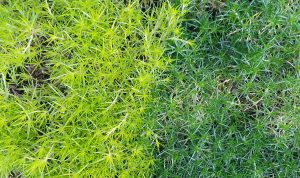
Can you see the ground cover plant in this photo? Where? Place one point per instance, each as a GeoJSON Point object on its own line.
{"type": "Point", "coordinates": [231, 108]}
{"type": "Point", "coordinates": [75, 83]}
{"type": "Point", "coordinates": [148, 88]}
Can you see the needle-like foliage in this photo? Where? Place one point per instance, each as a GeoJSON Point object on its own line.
{"type": "Point", "coordinates": [232, 106]}
{"type": "Point", "coordinates": [138, 88]}
{"type": "Point", "coordinates": [75, 82]}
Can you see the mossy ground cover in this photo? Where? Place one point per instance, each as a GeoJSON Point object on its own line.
{"type": "Point", "coordinates": [76, 78]}
{"type": "Point", "coordinates": [107, 88]}
{"type": "Point", "coordinates": [231, 108]}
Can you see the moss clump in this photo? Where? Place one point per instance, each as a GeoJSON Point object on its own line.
{"type": "Point", "coordinates": [75, 82]}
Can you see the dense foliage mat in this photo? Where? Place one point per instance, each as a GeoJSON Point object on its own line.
{"type": "Point", "coordinates": [75, 82]}
{"type": "Point", "coordinates": [148, 88]}
{"type": "Point", "coordinates": [232, 106]}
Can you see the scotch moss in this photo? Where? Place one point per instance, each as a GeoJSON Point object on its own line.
{"type": "Point", "coordinates": [75, 82]}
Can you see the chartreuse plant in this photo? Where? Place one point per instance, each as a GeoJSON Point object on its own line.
{"type": "Point", "coordinates": [75, 82]}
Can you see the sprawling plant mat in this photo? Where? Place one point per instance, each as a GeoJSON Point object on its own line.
{"type": "Point", "coordinates": [149, 88]}
{"type": "Point", "coordinates": [75, 82]}
{"type": "Point", "coordinates": [232, 106]}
